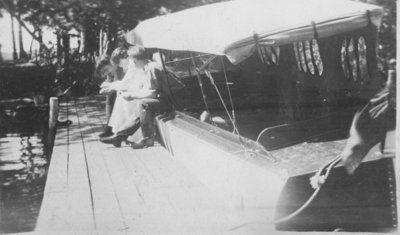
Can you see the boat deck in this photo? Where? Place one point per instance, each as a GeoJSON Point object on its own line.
{"type": "Point", "coordinates": [95, 187]}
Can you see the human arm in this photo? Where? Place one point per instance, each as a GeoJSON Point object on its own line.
{"type": "Point", "coordinates": [117, 85]}
{"type": "Point", "coordinates": [107, 87]}
{"type": "Point", "coordinates": [140, 94]}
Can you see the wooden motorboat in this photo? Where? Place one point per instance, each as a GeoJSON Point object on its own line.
{"type": "Point", "coordinates": [287, 78]}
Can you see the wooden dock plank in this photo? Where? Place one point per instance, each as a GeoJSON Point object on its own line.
{"type": "Point", "coordinates": [108, 189]}
{"type": "Point", "coordinates": [72, 206]}
{"type": "Point", "coordinates": [106, 203]}
{"type": "Point", "coordinates": [151, 172]}
{"type": "Point", "coordinates": [60, 157]}
{"type": "Point", "coordinates": [79, 201]}
{"type": "Point", "coordinates": [131, 200]}
{"type": "Point", "coordinates": [57, 185]}
{"type": "Point", "coordinates": [174, 198]}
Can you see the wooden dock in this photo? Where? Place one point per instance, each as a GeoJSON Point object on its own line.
{"type": "Point", "coordinates": [94, 187]}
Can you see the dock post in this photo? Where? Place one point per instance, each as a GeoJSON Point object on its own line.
{"type": "Point", "coordinates": [53, 113]}
{"type": "Point", "coordinates": [53, 117]}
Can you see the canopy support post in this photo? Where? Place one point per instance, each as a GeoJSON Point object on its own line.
{"type": "Point", "coordinates": [368, 13]}
{"type": "Point", "coordinates": [258, 49]}
{"type": "Point", "coordinates": [314, 26]}
{"type": "Point", "coordinates": [170, 97]}
{"type": "Point", "coordinates": [200, 81]}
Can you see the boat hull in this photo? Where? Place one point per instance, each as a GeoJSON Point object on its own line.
{"type": "Point", "coordinates": [260, 189]}
{"type": "Point", "coordinates": [362, 202]}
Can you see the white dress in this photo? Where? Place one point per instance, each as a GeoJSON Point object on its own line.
{"type": "Point", "coordinates": [124, 110]}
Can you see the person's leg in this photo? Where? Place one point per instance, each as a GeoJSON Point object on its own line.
{"type": "Point", "coordinates": [128, 128]}
{"type": "Point", "coordinates": [148, 109]}
{"type": "Point", "coordinates": [110, 99]}
{"type": "Point", "coordinates": [110, 103]}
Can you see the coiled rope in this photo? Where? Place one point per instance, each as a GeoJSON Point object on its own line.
{"type": "Point", "coordinates": [316, 182]}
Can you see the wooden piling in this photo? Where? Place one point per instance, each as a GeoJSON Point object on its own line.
{"type": "Point", "coordinates": [53, 112]}
{"type": "Point", "coordinates": [53, 117]}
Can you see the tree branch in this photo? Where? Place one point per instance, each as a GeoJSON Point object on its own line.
{"type": "Point", "coordinates": [11, 10]}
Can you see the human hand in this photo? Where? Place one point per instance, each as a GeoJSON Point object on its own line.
{"type": "Point", "coordinates": [105, 85]}
{"type": "Point", "coordinates": [105, 91]}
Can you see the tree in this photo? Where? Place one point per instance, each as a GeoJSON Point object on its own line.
{"type": "Point", "coordinates": [15, 56]}
{"type": "Point", "coordinates": [98, 22]}
{"type": "Point", "coordinates": [9, 6]}
{"type": "Point", "coordinates": [90, 17]}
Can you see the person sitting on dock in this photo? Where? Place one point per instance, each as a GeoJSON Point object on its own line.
{"type": "Point", "coordinates": [107, 68]}
{"type": "Point", "coordinates": [136, 100]}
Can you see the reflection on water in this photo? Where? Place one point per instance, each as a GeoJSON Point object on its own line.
{"type": "Point", "coordinates": [23, 166]}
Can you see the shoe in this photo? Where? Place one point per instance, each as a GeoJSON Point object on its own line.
{"type": "Point", "coordinates": [143, 143]}
{"type": "Point", "coordinates": [115, 140]}
{"type": "Point", "coordinates": [106, 133]}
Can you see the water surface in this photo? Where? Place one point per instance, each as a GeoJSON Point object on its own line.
{"type": "Point", "coordinates": [23, 169]}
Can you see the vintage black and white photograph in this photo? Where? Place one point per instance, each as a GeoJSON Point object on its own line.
{"type": "Point", "coordinates": [198, 117]}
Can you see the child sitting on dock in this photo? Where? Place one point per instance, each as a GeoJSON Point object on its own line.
{"type": "Point", "coordinates": [108, 69]}
{"type": "Point", "coordinates": [136, 98]}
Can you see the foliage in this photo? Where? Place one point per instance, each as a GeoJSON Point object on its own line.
{"type": "Point", "coordinates": [89, 17]}
{"type": "Point", "coordinates": [100, 14]}
{"type": "Point", "coordinates": [116, 16]}
{"type": "Point", "coordinates": [112, 16]}
{"type": "Point", "coordinates": [25, 79]}
{"type": "Point", "coordinates": [387, 33]}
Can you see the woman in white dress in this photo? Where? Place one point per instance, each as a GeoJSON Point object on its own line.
{"type": "Point", "coordinates": [138, 83]}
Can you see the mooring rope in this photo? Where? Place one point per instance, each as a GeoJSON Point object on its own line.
{"type": "Point", "coordinates": [316, 182]}
{"type": "Point", "coordinates": [208, 74]}
{"type": "Point", "coordinates": [318, 179]}
{"type": "Point", "coordinates": [231, 118]}
{"type": "Point", "coordinates": [229, 95]}
{"type": "Point", "coordinates": [199, 80]}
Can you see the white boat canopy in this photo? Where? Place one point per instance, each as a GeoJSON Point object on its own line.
{"type": "Point", "coordinates": [231, 28]}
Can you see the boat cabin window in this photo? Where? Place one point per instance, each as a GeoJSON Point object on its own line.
{"type": "Point", "coordinates": [354, 59]}
{"type": "Point", "coordinates": [269, 55]}
{"type": "Point", "coordinates": [308, 57]}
